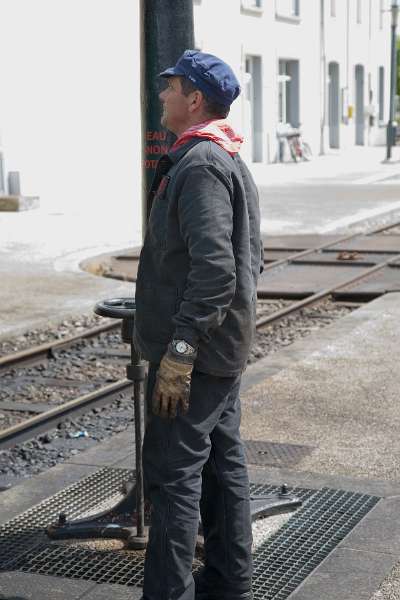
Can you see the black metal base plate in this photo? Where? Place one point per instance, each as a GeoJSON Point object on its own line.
{"type": "Point", "coordinates": [280, 564]}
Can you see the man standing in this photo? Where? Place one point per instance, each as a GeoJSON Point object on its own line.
{"type": "Point", "coordinates": [196, 299]}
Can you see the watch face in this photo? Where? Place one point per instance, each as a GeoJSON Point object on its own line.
{"type": "Point", "coordinates": [181, 347]}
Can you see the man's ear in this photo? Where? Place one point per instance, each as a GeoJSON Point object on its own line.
{"type": "Point", "coordinates": [196, 100]}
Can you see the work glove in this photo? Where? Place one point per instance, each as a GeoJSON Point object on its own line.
{"type": "Point", "coordinates": [172, 385]}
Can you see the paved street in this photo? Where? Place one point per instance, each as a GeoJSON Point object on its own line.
{"type": "Point", "coordinates": [329, 193]}
{"type": "Point", "coordinates": [323, 208]}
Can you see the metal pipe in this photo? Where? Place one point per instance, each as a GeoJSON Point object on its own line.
{"type": "Point", "coordinates": [346, 100]}
{"type": "Point", "coordinates": [370, 91]}
{"type": "Point", "coordinates": [391, 131]}
{"type": "Point", "coordinates": [323, 77]}
{"type": "Point", "coordinates": [137, 397]}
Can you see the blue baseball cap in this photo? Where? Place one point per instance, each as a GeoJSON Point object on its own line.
{"type": "Point", "coordinates": [209, 74]}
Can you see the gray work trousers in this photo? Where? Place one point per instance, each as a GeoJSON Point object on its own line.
{"type": "Point", "coordinates": [191, 463]}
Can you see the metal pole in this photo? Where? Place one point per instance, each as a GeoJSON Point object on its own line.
{"type": "Point", "coordinates": [346, 102]}
{"type": "Point", "coordinates": [166, 32]}
{"type": "Point", "coordinates": [137, 398]}
{"type": "Point", "coordinates": [391, 127]}
{"type": "Point", "coordinates": [370, 92]}
{"type": "Point", "coordinates": [323, 77]}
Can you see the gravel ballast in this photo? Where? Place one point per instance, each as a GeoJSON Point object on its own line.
{"type": "Point", "coordinates": [390, 588]}
{"type": "Point", "coordinates": [92, 363]}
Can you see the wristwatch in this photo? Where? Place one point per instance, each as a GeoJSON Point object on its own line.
{"type": "Point", "coordinates": [182, 348]}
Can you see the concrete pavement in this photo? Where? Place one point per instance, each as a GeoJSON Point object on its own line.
{"type": "Point", "coordinates": [338, 393]}
{"type": "Point", "coordinates": [40, 278]}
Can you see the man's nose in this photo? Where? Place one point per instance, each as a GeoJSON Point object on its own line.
{"type": "Point", "coordinates": [161, 96]}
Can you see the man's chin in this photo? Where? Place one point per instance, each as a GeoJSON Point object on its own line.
{"type": "Point", "coordinates": [164, 123]}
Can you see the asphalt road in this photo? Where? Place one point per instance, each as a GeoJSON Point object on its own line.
{"type": "Point", "coordinates": [324, 207]}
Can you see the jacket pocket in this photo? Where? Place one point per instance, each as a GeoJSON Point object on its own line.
{"type": "Point", "coordinates": [157, 225]}
{"type": "Point", "coordinates": [155, 307]}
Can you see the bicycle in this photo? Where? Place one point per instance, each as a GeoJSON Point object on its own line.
{"type": "Point", "coordinates": [299, 149]}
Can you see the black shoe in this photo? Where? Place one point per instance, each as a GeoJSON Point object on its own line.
{"type": "Point", "coordinates": [206, 590]}
{"type": "Point", "coordinates": [216, 595]}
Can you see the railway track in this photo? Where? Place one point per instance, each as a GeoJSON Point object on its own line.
{"type": "Point", "coordinates": [325, 246]}
{"type": "Point", "coordinates": [42, 352]}
{"type": "Point", "coordinates": [49, 419]}
{"type": "Point", "coordinates": [106, 394]}
{"type": "Point", "coordinates": [48, 415]}
{"type": "Point", "coordinates": [326, 293]}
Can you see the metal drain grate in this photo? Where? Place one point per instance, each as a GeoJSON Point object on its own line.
{"type": "Point", "coordinates": [27, 530]}
{"type": "Point", "coordinates": [280, 564]}
{"type": "Point", "coordinates": [285, 560]}
{"type": "Point", "coordinates": [117, 566]}
{"type": "Point", "coordinates": [274, 454]}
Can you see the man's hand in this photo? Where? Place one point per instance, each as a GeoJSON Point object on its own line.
{"type": "Point", "coordinates": [172, 386]}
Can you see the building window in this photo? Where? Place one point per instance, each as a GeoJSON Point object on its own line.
{"type": "Point", "coordinates": [288, 89]}
{"type": "Point", "coordinates": [381, 92]}
{"type": "Point", "coordinates": [333, 8]}
{"type": "Point", "coordinates": [359, 11]}
{"type": "Point", "coordinates": [287, 10]}
{"type": "Point", "coordinates": [251, 4]}
{"type": "Point", "coordinates": [296, 8]}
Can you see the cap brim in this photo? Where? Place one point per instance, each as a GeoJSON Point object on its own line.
{"type": "Point", "coordinates": [171, 72]}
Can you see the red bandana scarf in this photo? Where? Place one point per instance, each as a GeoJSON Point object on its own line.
{"type": "Point", "coordinates": [219, 131]}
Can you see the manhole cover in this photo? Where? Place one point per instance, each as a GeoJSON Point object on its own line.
{"type": "Point", "coordinates": [281, 563]}
{"type": "Point", "coordinates": [274, 454]}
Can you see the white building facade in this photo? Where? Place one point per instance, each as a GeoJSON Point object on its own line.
{"type": "Point", "coordinates": [323, 65]}
{"type": "Point", "coordinates": [70, 107]}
